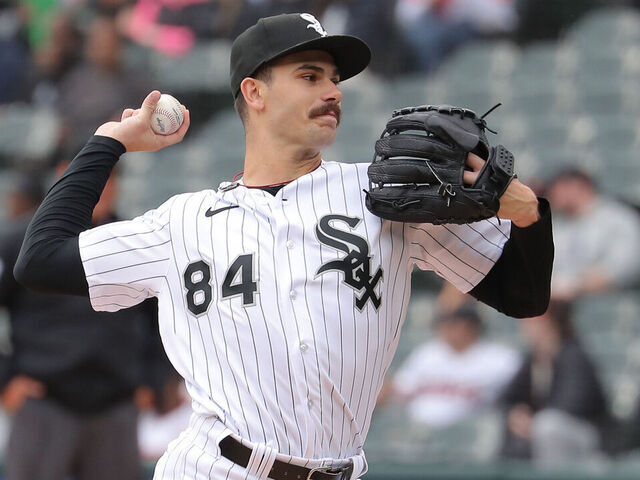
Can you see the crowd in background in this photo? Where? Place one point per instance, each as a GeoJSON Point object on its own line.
{"type": "Point", "coordinates": [552, 395]}
{"type": "Point", "coordinates": [69, 56]}
{"type": "Point", "coordinates": [57, 54]}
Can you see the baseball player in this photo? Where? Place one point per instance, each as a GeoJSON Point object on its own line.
{"type": "Point", "coordinates": [281, 298]}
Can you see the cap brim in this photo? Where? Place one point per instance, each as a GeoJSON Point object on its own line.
{"type": "Point", "coordinates": [350, 54]}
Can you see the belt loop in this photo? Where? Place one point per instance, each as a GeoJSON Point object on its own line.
{"type": "Point", "coordinates": [261, 460]}
{"type": "Point", "coordinates": [360, 467]}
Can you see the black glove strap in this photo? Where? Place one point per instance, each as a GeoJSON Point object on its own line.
{"type": "Point", "coordinates": [497, 171]}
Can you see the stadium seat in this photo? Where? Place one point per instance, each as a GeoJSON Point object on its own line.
{"type": "Point", "coordinates": [365, 93]}
{"type": "Point", "coordinates": [205, 68]}
{"type": "Point", "coordinates": [356, 137]}
{"type": "Point", "coordinates": [484, 61]}
{"type": "Point", "coordinates": [394, 438]}
{"type": "Point", "coordinates": [19, 122]}
{"type": "Point", "coordinates": [606, 64]}
{"type": "Point", "coordinates": [543, 59]}
{"type": "Point", "coordinates": [608, 327]}
{"type": "Point", "coordinates": [612, 26]}
{"type": "Point", "coordinates": [406, 90]}
{"type": "Point", "coordinates": [617, 133]}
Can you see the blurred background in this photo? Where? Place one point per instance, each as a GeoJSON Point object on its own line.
{"type": "Point", "coordinates": [472, 394]}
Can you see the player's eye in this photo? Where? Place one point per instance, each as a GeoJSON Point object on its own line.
{"type": "Point", "coordinates": [310, 77]}
{"type": "Point", "coordinates": [336, 80]}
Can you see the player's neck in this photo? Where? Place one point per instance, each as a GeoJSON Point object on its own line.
{"type": "Point", "coordinates": [267, 163]}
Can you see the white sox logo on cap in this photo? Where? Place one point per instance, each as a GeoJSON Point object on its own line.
{"type": "Point", "coordinates": [279, 35]}
{"type": "Point", "coordinates": [314, 23]}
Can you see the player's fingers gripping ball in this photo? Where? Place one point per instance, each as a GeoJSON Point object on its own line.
{"type": "Point", "coordinates": [420, 159]}
{"type": "Point", "coordinates": [167, 116]}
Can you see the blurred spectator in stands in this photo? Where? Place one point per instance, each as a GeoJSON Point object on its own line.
{"type": "Point", "coordinates": [166, 417]}
{"type": "Point", "coordinates": [549, 19]}
{"type": "Point", "coordinates": [70, 378]}
{"type": "Point", "coordinates": [53, 60]}
{"type": "Point", "coordinates": [597, 239]}
{"type": "Point", "coordinates": [38, 15]}
{"type": "Point", "coordinates": [446, 379]}
{"type": "Point", "coordinates": [173, 27]}
{"type": "Point", "coordinates": [255, 9]}
{"type": "Point", "coordinates": [624, 436]}
{"type": "Point", "coordinates": [15, 56]}
{"type": "Point", "coordinates": [435, 28]}
{"type": "Point", "coordinates": [367, 19]}
{"type": "Point", "coordinates": [276, 7]}
{"type": "Point", "coordinates": [555, 403]}
{"type": "Point", "coordinates": [107, 7]}
{"type": "Point", "coordinates": [95, 90]}
{"type": "Point", "coordinates": [23, 197]}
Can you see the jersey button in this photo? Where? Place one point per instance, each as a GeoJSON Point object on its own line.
{"type": "Point", "coordinates": [304, 347]}
{"type": "Point", "coordinates": [290, 244]}
{"type": "Point", "coordinates": [309, 404]}
{"type": "Point", "coordinates": [292, 294]}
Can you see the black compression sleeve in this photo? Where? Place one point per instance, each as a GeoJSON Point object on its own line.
{"type": "Point", "coordinates": [49, 259]}
{"type": "Point", "coordinates": [519, 284]}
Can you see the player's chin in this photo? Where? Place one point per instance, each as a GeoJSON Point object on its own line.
{"type": "Point", "coordinates": [323, 131]}
{"type": "Point", "coordinates": [325, 138]}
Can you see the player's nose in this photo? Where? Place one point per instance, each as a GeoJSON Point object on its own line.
{"type": "Point", "coordinates": [332, 93]}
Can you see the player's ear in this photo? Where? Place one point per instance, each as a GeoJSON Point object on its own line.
{"type": "Point", "coordinates": [251, 90]}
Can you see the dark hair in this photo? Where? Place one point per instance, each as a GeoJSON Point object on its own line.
{"type": "Point", "coordinates": [263, 74]}
{"type": "Point", "coordinates": [30, 186]}
{"type": "Point", "coordinates": [559, 313]}
{"type": "Point", "coordinates": [465, 313]}
{"type": "Point", "coordinates": [572, 173]}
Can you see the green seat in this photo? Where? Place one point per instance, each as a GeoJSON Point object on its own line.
{"type": "Point", "coordinates": [406, 91]}
{"type": "Point", "coordinates": [205, 68]}
{"type": "Point", "coordinates": [614, 26]}
{"type": "Point", "coordinates": [394, 438]}
{"type": "Point", "coordinates": [19, 122]}
{"type": "Point", "coordinates": [484, 61]}
{"type": "Point", "coordinates": [544, 96]}
{"type": "Point", "coordinates": [356, 137]}
{"type": "Point", "coordinates": [552, 132]}
{"type": "Point", "coordinates": [619, 179]}
{"type": "Point", "coordinates": [364, 93]}
{"type": "Point", "coordinates": [606, 63]}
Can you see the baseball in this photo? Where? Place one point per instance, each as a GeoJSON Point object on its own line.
{"type": "Point", "coordinates": [167, 116]}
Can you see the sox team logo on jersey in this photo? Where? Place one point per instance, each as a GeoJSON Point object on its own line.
{"type": "Point", "coordinates": [314, 23]}
{"type": "Point", "coordinates": [356, 264]}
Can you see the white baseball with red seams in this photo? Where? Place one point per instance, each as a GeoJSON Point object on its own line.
{"type": "Point", "coordinates": [167, 116]}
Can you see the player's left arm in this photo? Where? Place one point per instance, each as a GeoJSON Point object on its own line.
{"type": "Point", "coordinates": [519, 284]}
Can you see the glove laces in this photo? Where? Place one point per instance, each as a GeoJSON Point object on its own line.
{"type": "Point", "coordinates": [482, 123]}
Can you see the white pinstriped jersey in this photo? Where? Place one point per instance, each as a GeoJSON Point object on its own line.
{"type": "Point", "coordinates": [282, 312]}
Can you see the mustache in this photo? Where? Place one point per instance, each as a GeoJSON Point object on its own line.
{"type": "Point", "coordinates": [325, 109]}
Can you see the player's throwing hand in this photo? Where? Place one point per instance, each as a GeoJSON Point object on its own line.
{"type": "Point", "coordinates": [134, 128]}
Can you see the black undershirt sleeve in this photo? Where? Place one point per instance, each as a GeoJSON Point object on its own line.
{"type": "Point", "coordinates": [519, 284]}
{"type": "Point", "coordinates": [49, 260]}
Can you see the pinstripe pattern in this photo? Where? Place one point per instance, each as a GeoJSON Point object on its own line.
{"type": "Point", "coordinates": [298, 370]}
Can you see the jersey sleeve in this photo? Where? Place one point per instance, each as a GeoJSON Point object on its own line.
{"type": "Point", "coordinates": [461, 254]}
{"type": "Point", "coordinates": [126, 262]}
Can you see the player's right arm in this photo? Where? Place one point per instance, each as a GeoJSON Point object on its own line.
{"type": "Point", "coordinates": [49, 260]}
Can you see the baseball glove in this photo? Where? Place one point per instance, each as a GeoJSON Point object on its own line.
{"type": "Point", "coordinates": [416, 174]}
